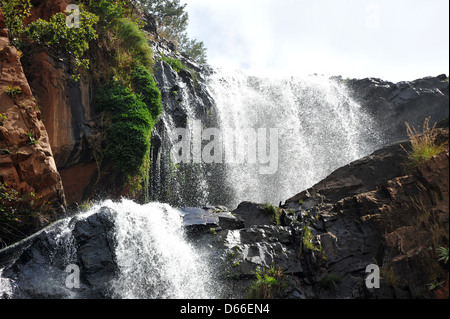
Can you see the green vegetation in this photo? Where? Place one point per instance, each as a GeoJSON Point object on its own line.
{"type": "Point", "coordinates": [268, 283]}
{"type": "Point", "coordinates": [130, 129]}
{"type": "Point", "coordinates": [273, 212]}
{"type": "Point", "coordinates": [424, 145]}
{"type": "Point", "coordinates": [12, 91]}
{"type": "Point", "coordinates": [443, 254]}
{"type": "Point", "coordinates": [143, 83]}
{"type": "Point", "coordinates": [128, 98]}
{"type": "Point", "coordinates": [308, 239]}
{"type": "Point", "coordinates": [174, 63]}
{"type": "Point", "coordinates": [56, 35]}
{"type": "Point", "coordinates": [3, 118]}
{"type": "Point", "coordinates": [134, 41]}
{"type": "Point", "coordinates": [17, 214]}
{"type": "Point", "coordinates": [173, 21]}
{"type": "Point", "coordinates": [15, 11]}
{"type": "Point", "coordinates": [31, 138]}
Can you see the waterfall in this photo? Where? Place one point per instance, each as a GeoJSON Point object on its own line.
{"type": "Point", "coordinates": [149, 257]}
{"type": "Point", "coordinates": [272, 138]}
{"type": "Point", "coordinates": [319, 127]}
{"type": "Point", "coordinates": [155, 259]}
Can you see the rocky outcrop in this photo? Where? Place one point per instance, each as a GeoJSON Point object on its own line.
{"type": "Point", "coordinates": [393, 104]}
{"type": "Point", "coordinates": [366, 213]}
{"type": "Point", "coordinates": [371, 212]}
{"type": "Point", "coordinates": [37, 266]}
{"type": "Point", "coordinates": [27, 164]}
{"type": "Point", "coordinates": [65, 107]}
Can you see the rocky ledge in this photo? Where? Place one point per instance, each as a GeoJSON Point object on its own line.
{"type": "Point", "coordinates": [322, 240]}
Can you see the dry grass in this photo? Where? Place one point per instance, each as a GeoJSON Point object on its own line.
{"type": "Point", "coordinates": [423, 144]}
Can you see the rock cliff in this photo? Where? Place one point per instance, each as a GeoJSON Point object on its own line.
{"type": "Point", "coordinates": [68, 112]}
{"type": "Point", "coordinates": [27, 165]}
{"type": "Point", "coordinates": [394, 103]}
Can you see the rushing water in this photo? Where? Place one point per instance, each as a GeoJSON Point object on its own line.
{"type": "Point", "coordinates": [318, 128]}
{"type": "Point", "coordinates": [302, 128]}
{"type": "Point", "coordinates": [155, 259]}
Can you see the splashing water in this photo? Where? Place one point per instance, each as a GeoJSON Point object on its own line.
{"type": "Point", "coordinates": [320, 128]}
{"type": "Point", "coordinates": [155, 259]}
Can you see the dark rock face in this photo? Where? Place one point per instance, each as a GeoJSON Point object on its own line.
{"type": "Point", "coordinates": [370, 212]}
{"type": "Point", "coordinates": [94, 240]}
{"type": "Point", "coordinates": [37, 267]}
{"type": "Point", "coordinates": [393, 104]}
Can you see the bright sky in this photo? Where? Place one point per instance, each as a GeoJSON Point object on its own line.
{"type": "Point", "coordinates": [396, 40]}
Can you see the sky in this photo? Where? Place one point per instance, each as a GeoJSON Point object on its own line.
{"type": "Point", "coordinates": [395, 40]}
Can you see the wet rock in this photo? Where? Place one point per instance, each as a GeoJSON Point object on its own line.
{"type": "Point", "coordinates": [95, 244]}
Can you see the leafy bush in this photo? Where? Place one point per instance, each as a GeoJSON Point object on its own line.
{"type": "Point", "coordinates": [134, 40]}
{"type": "Point", "coordinates": [17, 213]}
{"type": "Point", "coordinates": [130, 129]}
{"type": "Point", "coordinates": [12, 91]}
{"type": "Point", "coordinates": [110, 12]}
{"type": "Point", "coordinates": [424, 145]}
{"type": "Point", "coordinates": [56, 35]}
{"type": "Point", "coordinates": [144, 83]}
{"type": "Point", "coordinates": [15, 11]}
{"type": "Point", "coordinates": [173, 21]}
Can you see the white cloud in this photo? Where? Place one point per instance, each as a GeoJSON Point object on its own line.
{"type": "Point", "coordinates": [395, 40]}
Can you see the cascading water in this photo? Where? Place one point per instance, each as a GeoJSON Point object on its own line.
{"type": "Point", "coordinates": [320, 128]}
{"type": "Point", "coordinates": [151, 254]}
{"type": "Point", "coordinates": [155, 260]}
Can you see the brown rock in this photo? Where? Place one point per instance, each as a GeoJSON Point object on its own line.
{"type": "Point", "coordinates": [26, 161]}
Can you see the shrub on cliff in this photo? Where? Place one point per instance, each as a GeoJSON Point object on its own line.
{"type": "Point", "coordinates": [144, 83]}
{"type": "Point", "coordinates": [15, 11]}
{"type": "Point", "coordinates": [57, 36]}
{"type": "Point", "coordinates": [128, 139]}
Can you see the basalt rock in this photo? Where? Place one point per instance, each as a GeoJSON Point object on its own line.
{"type": "Point", "coordinates": [393, 104]}
{"type": "Point", "coordinates": [373, 212]}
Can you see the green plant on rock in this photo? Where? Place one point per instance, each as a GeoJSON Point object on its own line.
{"type": "Point", "coordinates": [57, 36]}
{"type": "Point", "coordinates": [268, 283]}
{"type": "Point", "coordinates": [144, 83]}
{"type": "Point", "coordinates": [3, 118]}
{"type": "Point", "coordinates": [15, 11]}
{"type": "Point", "coordinates": [176, 64]}
{"type": "Point", "coordinates": [134, 41]}
{"type": "Point", "coordinates": [308, 239]}
{"type": "Point", "coordinates": [12, 91]}
{"type": "Point", "coordinates": [423, 145]}
{"type": "Point", "coordinates": [273, 212]}
{"type": "Point", "coordinates": [17, 213]}
{"type": "Point", "coordinates": [131, 125]}
{"type": "Point", "coordinates": [443, 254]}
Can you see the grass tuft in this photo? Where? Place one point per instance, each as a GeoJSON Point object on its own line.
{"type": "Point", "coordinates": [423, 145]}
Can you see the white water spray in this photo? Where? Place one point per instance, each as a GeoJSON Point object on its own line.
{"type": "Point", "coordinates": [155, 259]}
{"type": "Point", "coordinates": [321, 128]}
